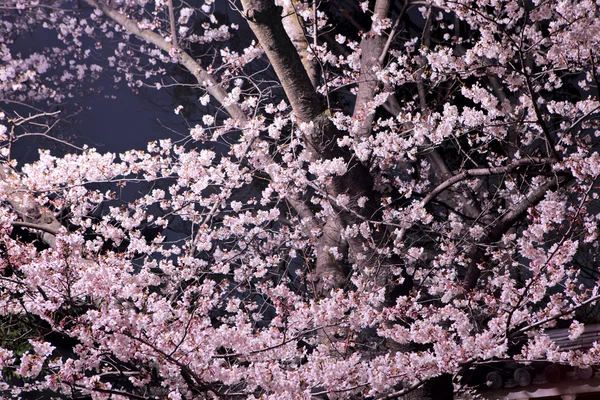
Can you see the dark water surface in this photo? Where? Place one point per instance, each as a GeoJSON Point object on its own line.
{"type": "Point", "coordinates": [114, 119]}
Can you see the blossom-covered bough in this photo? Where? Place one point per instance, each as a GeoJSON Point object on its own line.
{"type": "Point", "coordinates": [408, 190]}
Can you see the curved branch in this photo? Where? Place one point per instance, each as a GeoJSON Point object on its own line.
{"type": "Point", "coordinates": [42, 227]}
{"type": "Point", "coordinates": [485, 172]}
{"type": "Point", "coordinates": [502, 226]}
{"type": "Point", "coordinates": [552, 318]}
{"type": "Point", "coordinates": [204, 78]}
{"type": "Point", "coordinates": [31, 217]}
{"type": "Point", "coordinates": [533, 197]}
{"type": "Point", "coordinates": [110, 391]}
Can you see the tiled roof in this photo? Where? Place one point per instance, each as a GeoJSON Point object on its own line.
{"type": "Point", "coordinates": [590, 335]}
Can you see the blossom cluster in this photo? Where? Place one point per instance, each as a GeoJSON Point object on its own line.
{"type": "Point", "coordinates": [397, 217]}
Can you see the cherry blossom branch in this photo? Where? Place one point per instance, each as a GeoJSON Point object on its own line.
{"type": "Point", "coordinates": [550, 145]}
{"type": "Point", "coordinates": [531, 282]}
{"type": "Point", "coordinates": [23, 120]}
{"type": "Point", "coordinates": [204, 78]}
{"type": "Point", "coordinates": [531, 199]}
{"type": "Point", "coordinates": [556, 250]}
{"type": "Point", "coordinates": [392, 33]}
{"type": "Point", "coordinates": [187, 372]}
{"type": "Point", "coordinates": [111, 391]}
{"type": "Point", "coordinates": [172, 23]}
{"type": "Point", "coordinates": [581, 119]}
{"type": "Point", "coordinates": [437, 161]}
{"type": "Point", "coordinates": [439, 165]}
{"type": "Point", "coordinates": [275, 346]}
{"type": "Point", "coordinates": [48, 137]}
{"type": "Point", "coordinates": [477, 172]}
{"type": "Point", "coordinates": [48, 123]}
{"type": "Point", "coordinates": [32, 217]}
{"type": "Point", "coordinates": [470, 208]}
{"type": "Point", "coordinates": [554, 317]}
{"type": "Point", "coordinates": [501, 226]}
{"type": "Point", "coordinates": [402, 392]}
{"type": "Point", "coordinates": [390, 396]}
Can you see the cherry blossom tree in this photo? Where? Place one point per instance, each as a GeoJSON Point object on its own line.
{"type": "Point", "coordinates": [379, 197]}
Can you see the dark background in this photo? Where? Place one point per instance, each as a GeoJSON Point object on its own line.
{"type": "Point", "coordinates": [107, 116]}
